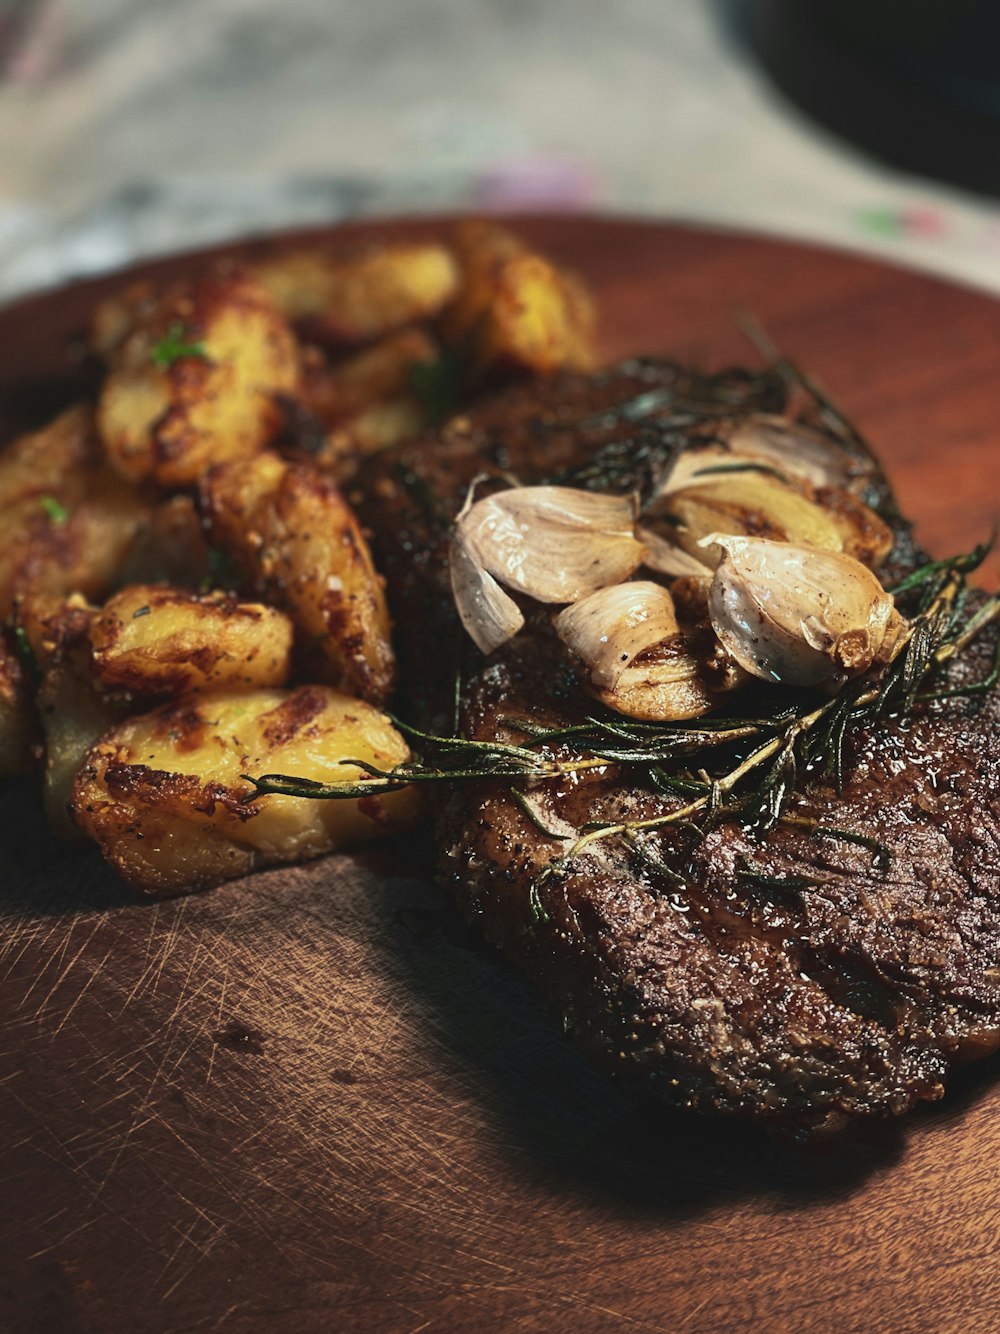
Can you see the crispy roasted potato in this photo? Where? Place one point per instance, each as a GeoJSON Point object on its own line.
{"type": "Point", "coordinates": [158, 640]}
{"type": "Point", "coordinates": [515, 311]}
{"type": "Point", "coordinates": [73, 708]}
{"type": "Point", "coordinates": [163, 794]}
{"type": "Point", "coordinates": [365, 295]}
{"type": "Point", "coordinates": [368, 402]}
{"type": "Point", "coordinates": [117, 315]}
{"type": "Point", "coordinates": [66, 520]}
{"type": "Point", "coordinates": [18, 721]}
{"type": "Point", "coordinates": [170, 547]}
{"type": "Point", "coordinates": [384, 371]}
{"type": "Point", "coordinates": [303, 550]}
{"type": "Point", "coordinates": [195, 383]}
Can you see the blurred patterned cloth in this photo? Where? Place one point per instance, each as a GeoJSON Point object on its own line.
{"type": "Point", "coordinates": [143, 127]}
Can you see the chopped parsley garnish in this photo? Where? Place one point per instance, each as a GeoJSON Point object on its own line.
{"type": "Point", "coordinates": [55, 509]}
{"type": "Point", "coordinates": [172, 347]}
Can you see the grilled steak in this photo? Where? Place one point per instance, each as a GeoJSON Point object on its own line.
{"type": "Point", "coordinates": [823, 985]}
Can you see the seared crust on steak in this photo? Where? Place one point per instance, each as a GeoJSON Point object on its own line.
{"type": "Point", "coordinates": [828, 984]}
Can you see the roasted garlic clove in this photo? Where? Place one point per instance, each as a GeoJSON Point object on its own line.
{"type": "Point", "coordinates": [639, 663]}
{"type": "Point", "coordinates": [791, 449]}
{"type": "Point", "coordinates": [799, 451]}
{"type": "Point", "coordinates": [795, 615]}
{"type": "Point", "coordinates": [489, 615]}
{"type": "Point", "coordinates": [554, 543]}
{"type": "Point", "coordinates": [551, 543]}
{"type": "Point", "coordinates": [756, 504]}
{"type": "Point", "coordinates": [747, 504]}
{"type": "Point", "coordinates": [664, 686]}
{"type": "Point", "coordinates": [611, 627]}
{"type": "Point", "coordinates": [665, 557]}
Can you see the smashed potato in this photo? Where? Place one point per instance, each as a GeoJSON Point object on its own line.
{"type": "Point", "coordinates": [205, 479]}
{"type": "Point", "coordinates": [73, 707]}
{"type": "Point", "coordinates": [514, 309]}
{"type": "Point", "coordinates": [163, 794]}
{"type": "Point", "coordinates": [117, 315]}
{"type": "Point", "coordinates": [303, 550]}
{"type": "Point", "coordinates": [17, 712]}
{"type": "Point", "coordinates": [170, 548]}
{"type": "Point", "coordinates": [196, 381]}
{"type": "Point", "coordinates": [365, 295]}
{"type": "Point", "coordinates": [370, 401]}
{"type": "Point", "coordinates": [158, 640]}
{"type": "Point", "coordinates": [66, 520]}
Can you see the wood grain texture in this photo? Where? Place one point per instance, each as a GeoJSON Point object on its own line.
{"type": "Point", "coordinates": [312, 1101]}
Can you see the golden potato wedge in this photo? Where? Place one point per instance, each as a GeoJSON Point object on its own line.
{"type": "Point", "coordinates": [368, 402]}
{"type": "Point", "coordinates": [66, 519]}
{"type": "Point", "coordinates": [116, 316]}
{"type": "Point", "coordinates": [170, 547]}
{"type": "Point", "coordinates": [360, 297]}
{"type": "Point", "coordinates": [163, 794]}
{"type": "Point", "coordinates": [384, 371]}
{"type": "Point", "coordinates": [73, 708]}
{"type": "Point", "coordinates": [158, 640]}
{"type": "Point", "coordinates": [18, 720]}
{"type": "Point", "coordinates": [303, 551]}
{"type": "Point", "coordinates": [196, 382]}
{"type": "Point", "coordinates": [515, 311]}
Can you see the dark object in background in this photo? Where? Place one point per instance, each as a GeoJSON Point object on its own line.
{"type": "Point", "coordinates": [916, 82]}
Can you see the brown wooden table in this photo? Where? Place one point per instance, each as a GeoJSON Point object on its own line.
{"type": "Point", "coordinates": [311, 1101]}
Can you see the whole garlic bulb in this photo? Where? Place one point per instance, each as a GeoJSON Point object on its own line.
{"type": "Point", "coordinates": [796, 615]}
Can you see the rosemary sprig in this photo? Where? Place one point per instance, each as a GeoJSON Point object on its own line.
{"type": "Point", "coordinates": [817, 735]}
{"type": "Point", "coordinates": [437, 384]}
{"type": "Point", "coordinates": [742, 768]}
{"type": "Point", "coordinates": [784, 884]}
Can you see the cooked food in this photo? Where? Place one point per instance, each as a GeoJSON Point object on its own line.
{"type": "Point", "coordinates": [66, 520]}
{"type": "Point", "coordinates": [73, 705]}
{"type": "Point", "coordinates": [369, 401]}
{"type": "Point", "coordinates": [515, 310]}
{"type": "Point", "coordinates": [156, 640]}
{"type": "Point", "coordinates": [362, 296]}
{"type": "Point", "coordinates": [636, 658]}
{"type": "Point", "coordinates": [723, 780]}
{"type": "Point", "coordinates": [302, 549]}
{"type": "Point", "coordinates": [196, 380]}
{"type": "Point", "coordinates": [266, 577]}
{"type": "Point", "coordinates": [797, 615]}
{"type": "Point", "coordinates": [170, 547]}
{"type": "Point", "coordinates": [17, 715]}
{"type": "Point", "coordinates": [165, 797]}
{"type": "Point", "coordinates": [710, 915]}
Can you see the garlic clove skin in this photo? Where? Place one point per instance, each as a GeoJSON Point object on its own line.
{"type": "Point", "coordinates": [614, 625]}
{"type": "Point", "coordinates": [800, 451]}
{"type": "Point", "coordinates": [791, 447]}
{"type": "Point", "coordinates": [666, 558]}
{"type": "Point", "coordinates": [748, 505]}
{"type": "Point", "coordinates": [712, 488]}
{"type": "Point", "coordinates": [638, 660]}
{"type": "Point", "coordinates": [489, 614]}
{"type": "Point", "coordinates": [796, 615]}
{"type": "Point", "coordinates": [553, 543]}
{"type": "Point", "coordinates": [667, 691]}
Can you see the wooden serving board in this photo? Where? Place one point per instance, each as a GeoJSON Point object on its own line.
{"type": "Point", "coordinates": [311, 1101]}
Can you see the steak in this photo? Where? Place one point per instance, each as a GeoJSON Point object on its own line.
{"type": "Point", "coordinates": [828, 982]}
